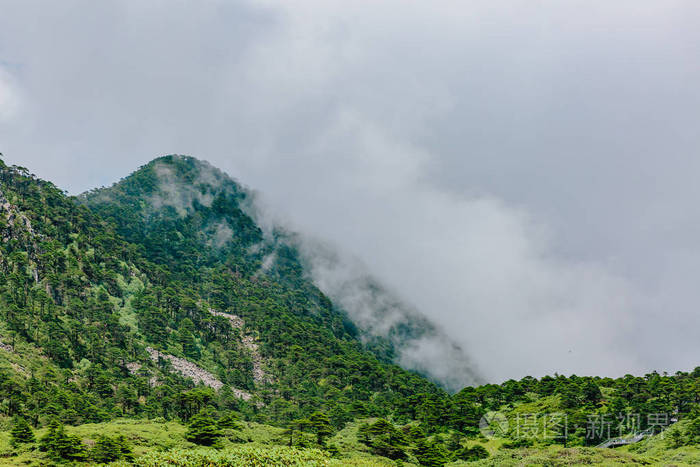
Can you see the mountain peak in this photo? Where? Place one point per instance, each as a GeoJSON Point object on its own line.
{"type": "Point", "coordinates": [172, 182]}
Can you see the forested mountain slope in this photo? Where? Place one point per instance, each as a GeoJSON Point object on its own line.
{"type": "Point", "coordinates": [192, 219]}
{"type": "Point", "coordinates": [133, 305]}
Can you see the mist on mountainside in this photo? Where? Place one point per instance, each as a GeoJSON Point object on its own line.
{"type": "Point", "coordinates": [390, 327]}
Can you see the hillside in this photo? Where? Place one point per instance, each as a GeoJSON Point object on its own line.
{"type": "Point", "coordinates": [141, 298]}
{"type": "Point", "coordinates": [159, 309]}
{"type": "Point", "coordinates": [192, 218]}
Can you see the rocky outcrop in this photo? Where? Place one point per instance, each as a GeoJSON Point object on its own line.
{"type": "Point", "coordinates": [188, 369]}
{"type": "Point", "coordinates": [236, 321]}
{"type": "Point", "coordinates": [14, 216]}
{"type": "Point", "coordinates": [249, 342]}
{"type": "Point", "coordinates": [133, 367]}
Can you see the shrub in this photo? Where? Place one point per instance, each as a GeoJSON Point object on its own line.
{"type": "Point", "coordinates": [473, 453]}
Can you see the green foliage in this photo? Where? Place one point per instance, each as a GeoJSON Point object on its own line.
{"type": "Point", "coordinates": [87, 284]}
{"type": "Point", "coordinates": [240, 456]}
{"type": "Point", "coordinates": [229, 420]}
{"type": "Point", "coordinates": [61, 446]}
{"type": "Point", "coordinates": [320, 424]}
{"type": "Point", "coordinates": [21, 432]}
{"type": "Point", "coordinates": [333, 450]}
{"type": "Point", "coordinates": [471, 454]}
{"type": "Point", "coordinates": [109, 449]}
{"type": "Point", "coordinates": [384, 439]}
{"type": "Point", "coordinates": [693, 431]}
{"type": "Point", "coordinates": [203, 430]}
{"type": "Point", "coordinates": [430, 453]}
{"type": "Point", "coordinates": [518, 443]}
{"type": "Point", "coordinates": [93, 281]}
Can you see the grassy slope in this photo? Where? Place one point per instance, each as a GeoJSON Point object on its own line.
{"type": "Point", "coordinates": [653, 451]}
{"type": "Point", "coordinates": [150, 437]}
{"type": "Point", "coordinates": [155, 442]}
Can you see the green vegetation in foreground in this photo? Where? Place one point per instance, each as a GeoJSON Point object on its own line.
{"type": "Point", "coordinates": [156, 443]}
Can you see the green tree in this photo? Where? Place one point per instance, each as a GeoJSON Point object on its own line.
{"type": "Point", "coordinates": [693, 431]}
{"type": "Point", "coordinates": [472, 454]}
{"type": "Point", "coordinates": [676, 438]}
{"type": "Point", "coordinates": [430, 454]}
{"type": "Point", "coordinates": [229, 420]}
{"type": "Point", "coordinates": [109, 449]}
{"type": "Point", "coordinates": [203, 430]}
{"type": "Point", "coordinates": [333, 450]}
{"type": "Point", "coordinates": [384, 439]}
{"type": "Point", "coordinates": [21, 432]}
{"type": "Point", "coordinates": [186, 338]}
{"type": "Point", "coordinates": [321, 425]}
{"type": "Point", "coordinates": [59, 445]}
{"type": "Point", "coordinates": [569, 396]}
{"type": "Point", "coordinates": [295, 428]}
{"type": "Point", "coordinates": [591, 393]}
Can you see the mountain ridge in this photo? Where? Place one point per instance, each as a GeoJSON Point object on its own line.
{"type": "Point", "coordinates": [93, 302]}
{"type": "Point", "coordinates": [179, 184]}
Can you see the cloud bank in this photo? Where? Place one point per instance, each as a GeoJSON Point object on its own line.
{"type": "Point", "coordinates": [525, 175]}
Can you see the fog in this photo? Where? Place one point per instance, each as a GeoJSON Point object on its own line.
{"type": "Point", "coordinates": [522, 173]}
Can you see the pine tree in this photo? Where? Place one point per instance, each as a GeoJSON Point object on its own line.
{"type": "Point", "coordinates": [295, 428]}
{"type": "Point", "coordinates": [186, 338]}
{"type": "Point", "coordinates": [473, 453]}
{"type": "Point", "coordinates": [203, 430]}
{"type": "Point", "coordinates": [21, 432]}
{"type": "Point", "coordinates": [109, 449]}
{"type": "Point", "coordinates": [60, 445]}
{"type": "Point", "coordinates": [430, 454]}
{"type": "Point", "coordinates": [321, 425]}
{"type": "Point", "coordinates": [333, 450]}
{"type": "Point", "coordinates": [384, 439]}
{"type": "Point", "coordinates": [591, 393]}
{"type": "Point", "coordinates": [229, 420]}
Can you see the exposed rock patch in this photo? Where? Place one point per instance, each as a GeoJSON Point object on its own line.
{"type": "Point", "coordinates": [249, 342]}
{"type": "Point", "coordinates": [133, 367]}
{"type": "Point", "coordinates": [189, 370]}
{"type": "Point", "coordinates": [236, 321]}
{"type": "Point", "coordinates": [14, 216]}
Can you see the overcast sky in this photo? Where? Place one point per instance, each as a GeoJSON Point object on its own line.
{"type": "Point", "coordinates": [523, 172]}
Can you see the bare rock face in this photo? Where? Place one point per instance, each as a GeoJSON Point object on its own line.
{"type": "Point", "coordinates": [19, 226]}
{"type": "Point", "coordinates": [236, 321]}
{"type": "Point", "coordinates": [249, 342]}
{"type": "Point", "coordinates": [189, 370]}
{"type": "Point", "coordinates": [14, 216]}
{"type": "Point", "coordinates": [133, 367]}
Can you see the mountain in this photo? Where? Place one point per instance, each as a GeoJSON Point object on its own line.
{"type": "Point", "coordinates": [138, 292]}
{"type": "Point", "coordinates": [164, 312]}
{"type": "Point", "coordinates": [188, 215]}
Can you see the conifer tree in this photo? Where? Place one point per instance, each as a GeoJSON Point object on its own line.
{"type": "Point", "coordinates": [109, 449]}
{"type": "Point", "coordinates": [321, 425]}
{"type": "Point", "coordinates": [430, 454]}
{"type": "Point", "coordinates": [21, 432]}
{"type": "Point", "coordinates": [60, 445]}
{"type": "Point", "coordinates": [203, 430]}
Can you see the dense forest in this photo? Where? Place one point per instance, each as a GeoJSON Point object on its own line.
{"type": "Point", "coordinates": [160, 299]}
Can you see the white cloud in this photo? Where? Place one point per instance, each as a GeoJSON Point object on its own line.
{"type": "Point", "coordinates": [524, 174]}
{"type": "Point", "coordinates": [9, 97]}
{"type": "Point", "coordinates": [480, 269]}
